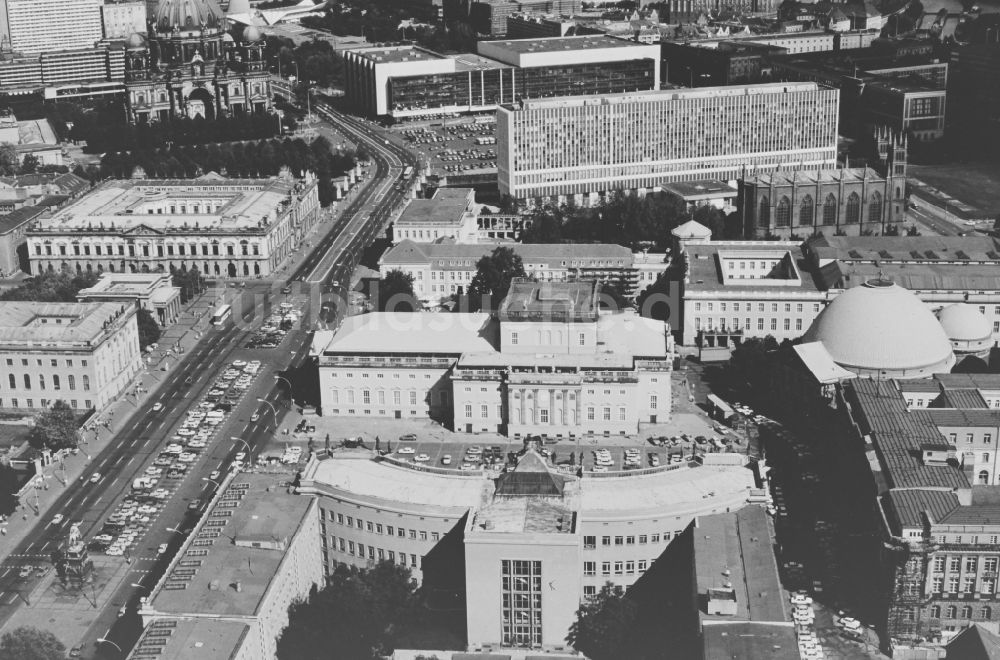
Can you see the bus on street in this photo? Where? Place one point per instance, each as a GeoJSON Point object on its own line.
{"type": "Point", "coordinates": [407, 172]}
{"type": "Point", "coordinates": [222, 314]}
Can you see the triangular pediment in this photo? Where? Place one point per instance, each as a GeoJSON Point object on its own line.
{"type": "Point", "coordinates": [142, 230]}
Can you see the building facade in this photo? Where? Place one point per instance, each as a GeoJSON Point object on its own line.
{"type": "Point", "coordinates": [579, 148]}
{"type": "Point", "coordinates": [34, 26]}
{"type": "Point", "coordinates": [551, 366]}
{"type": "Point", "coordinates": [124, 18]}
{"type": "Point", "coordinates": [223, 227]}
{"type": "Point", "coordinates": [153, 292]}
{"type": "Point", "coordinates": [194, 64]}
{"type": "Point", "coordinates": [85, 354]}
{"type": "Point", "coordinates": [857, 201]}
{"type": "Point", "coordinates": [534, 542]}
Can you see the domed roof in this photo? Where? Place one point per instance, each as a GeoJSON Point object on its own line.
{"type": "Point", "coordinates": [692, 229]}
{"type": "Point", "coordinates": [187, 14]}
{"type": "Point", "coordinates": [252, 34]}
{"type": "Point", "coordinates": [882, 327]}
{"type": "Point", "coordinates": [963, 322]}
{"type": "Point", "coordinates": [135, 40]}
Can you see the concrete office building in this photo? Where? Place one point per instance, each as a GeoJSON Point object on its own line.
{"type": "Point", "coordinates": [153, 292]}
{"type": "Point", "coordinates": [534, 540]}
{"type": "Point", "coordinates": [580, 148]}
{"type": "Point", "coordinates": [124, 18]}
{"type": "Point", "coordinates": [65, 74]}
{"type": "Point", "coordinates": [34, 26]}
{"type": "Point", "coordinates": [252, 554]}
{"type": "Point", "coordinates": [551, 365]}
{"type": "Point", "coordinates": [235, 228]}
{"type": "Point", "coordinates": [449, 214]}
{"type": "Point", "coordinates": [84, 354]}
{"type": "Point", "coordinates": [406, 81]}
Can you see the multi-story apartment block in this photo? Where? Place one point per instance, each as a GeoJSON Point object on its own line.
{"type": "Point", "coordinates": [223, 227]}
{"type": "Point", "coordinates": [550, 537]}
{"type": "Point", "coordinates": [34, 26]}
{"type": "Point", "coordinates": [269, 560]}
{"type": "Point", "coordinates": [440, 270]}
{"type": "Point", "coordinates": [935, 442]}
{"type": "Point", "coordinates": [551, 366]}
{"type": "Point", "coordinates": [576, 149]}
{"type": "Point", "coordinates": [123, 18]}
{"type": "Point", "coordinates": [84, 354]}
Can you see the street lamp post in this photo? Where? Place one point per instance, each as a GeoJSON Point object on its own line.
{"type": "Point", "coordinates": [105, 640]}
{"type": "Point", "coordinates": [271, 406]}
{"type": "Point", "coordinates": [217, 484]}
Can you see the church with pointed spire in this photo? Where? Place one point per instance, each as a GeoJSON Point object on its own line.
{"type": "Point", "coordinates": [846, 201]}
{"type": "Point", "coordinates": [195, 62]}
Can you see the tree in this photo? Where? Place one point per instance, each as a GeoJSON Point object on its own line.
{"type": "Point", "coordinates": [149, 329]}
{"type": "Point", "coordinates": [494, 273]}
{"type": "Point", "coordinates": [55, 428]}
{"type": "Point", "coordinates": [28, 643]}
{"type": "Point", "coordinates": [604, 626]}
{"type": "Point", "coordinates": [9, 164]}
{"type": "Point", "coordinates": [30, 164]}
{"type": "Point", "coordinates": [394, 293]}
{"type": "Point", "coordinates": [362, 609]}
{"type": "Point", "coordinates": [51, 287]}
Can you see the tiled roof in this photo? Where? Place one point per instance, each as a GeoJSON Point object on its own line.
{"type": "Point", "coordinates": [906, 508]}
{"type": "Point", "coordinates": [977, 514]}
{"type": "Point", "coordinates": [963, 399]}
{"type": "Point", "coordinates": [19, 217]}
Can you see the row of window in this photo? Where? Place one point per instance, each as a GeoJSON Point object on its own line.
{"type": "Point", "coordinates": [45, 403]}
{"type": "Point", "coordinates": [377, 528]}
{"type": "Point", "coordinates": [722, 324]}
{"type": "Point", "coordinates": [372, 553]}
{"type": "Point", "coordinates": [968, 583]}
{"type": "Point", "coordinates": [971, 562]}
{"type": "Point", "coordinates": [590, 542]}
{"type": "Point", "coordinates": [369, 397]}
{"type": "Point", "coordinates": [56, 382]}
{"type": "Point", "coordinates": [807, 209]}
{"type": "Point", "coordinates": [952, 612]}
{"type": "Point", "coordinates": [39, 362]}
{"type": "Point", "coordinates": [748, 307]}
{"type": "Point", "coordinates": [619, 567]}
{"type": "Point", "coordinates": [84, 250]}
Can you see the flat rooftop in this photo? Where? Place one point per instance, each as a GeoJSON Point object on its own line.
{"type": "Point", "coordinates": [463, 256]}
{"type": "Point", "coordinates": [524, 515]}
{"type": "Point", "coordinates": [126, 284]}
{"type": "Point", "coordinates": [661, 95]}
{"type": "Point", "coordinates": [554, 44]}
{"type": "Point", "coordinates": [750, 640]}
{"type": "Point", "coordinates": [474, 62]}
{"type": "Point", "coordinates": [528, 300]}
{"type": "Point", "coordinates": [401, 53]}
{"type": "Point", "coordinates": [705, 188]}
{"type": "Point", "coordinates": [218, 555]}
{"type": "Point", "coordinates": [183, 205]}
{"type": "Point", "coordinates": [411, 332]}
{"type": "Point", "coordinates": [928, 249]}
{"type": "Point", "coordinates": [706, 262]}
{"type": "Point", "coordinates": [735, 550]}
{"type": "Point", "coordinates": [71, 323]}
{"type": "Point", "coordinates": [181, 639]}
{"type": "Point", "coordinates": [445, 208]}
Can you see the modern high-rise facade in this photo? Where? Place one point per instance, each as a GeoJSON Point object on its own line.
{"type": "Point", "coordinates": [33, 26]}
{"type": "Point", "coordinates": [575, 147]}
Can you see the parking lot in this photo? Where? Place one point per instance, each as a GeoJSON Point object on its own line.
{"type": "Point", "coordinates": [276, 326]}
{"type": "Point", "coordinates": [454, 146]}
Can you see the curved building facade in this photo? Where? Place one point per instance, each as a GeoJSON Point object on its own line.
{"type": "Point", "coordinates": [530, 525]}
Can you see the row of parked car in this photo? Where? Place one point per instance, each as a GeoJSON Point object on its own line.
{"type": "Point", "coordinates": [150, 491]}
{"type": "Point", "coordinates": [275, 327]}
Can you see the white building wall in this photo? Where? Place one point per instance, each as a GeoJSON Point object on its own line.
{"type": "Point", "coordinates": [47, 25]}
{"type": "Point", "coordinates": [391, 392]}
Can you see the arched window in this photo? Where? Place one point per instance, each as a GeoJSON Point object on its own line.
{"type": "Point", "coordinates": [764, 214]}
{"type": "Point", "coordinates": [967, 611]}
{"type": "Point", "coordinates": [830, 210]}
{"type": "Point", "coordinates": [951, 611]}
{"type": "Point", "coordinates": [875, 208]}
{"type": "Point", "coordinates": [853, 216]}
{"type": "Point", "coordinates": [12, 380]}
{"type": "Point", "coordinates": [935, 611]}
{"type": "Point", "coordinates": [986, 613]}
{"type": "Point", "coordinates": [983, 478]}
{"type": "Point", "coordinates": [806, 212]}
{"type": "Point", "coordinates": [783, 214]}
{"type": "Point", "coordinates": [27, 381]}
{"type": "Point", "coordinates": [898, 193]}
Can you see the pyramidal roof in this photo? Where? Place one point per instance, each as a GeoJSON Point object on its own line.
{"type": "Point", "coordinates": [692, 229]}
{"type": "Point", "coordinates": [530, 477]}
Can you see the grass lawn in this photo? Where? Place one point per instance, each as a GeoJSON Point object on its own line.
{"type": "Point", "coordinates": [977, 184]}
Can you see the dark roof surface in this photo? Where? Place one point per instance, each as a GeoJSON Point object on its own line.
{"type": "Point", "coordinates": [906, 508]}
{"type": "Point", "coordinates": [974, 643]}
{"type": "Point", "coordinates": [530, 477]}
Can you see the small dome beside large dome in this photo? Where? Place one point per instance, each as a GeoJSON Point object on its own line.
{"type": "Point", "coordinates": [135, 40]}
{"type": "Point", "coordinates": [252, 35]}
{"type": "Point", "coordinates": [966, 327]}
{"type": "Point", "coordinates": [187, 15]}
{"type": "Point", "coordinates": [881, 329]}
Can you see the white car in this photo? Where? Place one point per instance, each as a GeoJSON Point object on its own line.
{"type": "Point", "coordinates": [187, 457]}
{"type": "Point", "coordinates": [406, 450]}
{"type": "Point", "coordinates": [94, 478]}
{"type": "Point", "coordinates": [173, 449]}
{"type": "Point", "coordinates": [241, 455]}
{"type": "Point", "coordinates": [239, 363]}
{"type": "Point", "coordinates": [474, 450]}
{"type": "Point", "coordinates": [422, 458]}
{"type": "Point", "coordinates": [214, 474]}
{"type": "Point", "coordinates": [161, 549]}
{"type": "Point", "coordinates": [446, 459]}
{"type": "Point", "coordinates": [799, 598]}
{"type": "Point", "coordinates": [157, 407]}
{"type": "Point", "coordinates": [58, 518]}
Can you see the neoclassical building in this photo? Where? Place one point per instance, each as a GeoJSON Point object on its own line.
{"type": "Point", "coordinates": [238, 228]}
{"type": "Point", "coordinates": [853, 201]}
{"type": "Point", "coordinates": [195, 64]}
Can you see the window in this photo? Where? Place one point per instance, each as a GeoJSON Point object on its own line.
{"type": "Point", "coordinates": [521, 599]}
{"type": "Point", "coordinates": [652, 401]}
{"type": "Point", "coordinates": [953, 584]}
{"type": "Point", "coordinates": [764, 212]}
{"type": "Point", "coordinates": [939, 564]}
{"type": "Point", "coordinates": [971, 564]}
{"type": "Point", "coordinates": [590, 591]}
{"type": "Point", "coordinates": [830, 210]}
{"type": "Point", "coordinates": [590, 568]}
{"type": "Point", "coordinates": [619, 540]}
{"type": "Point", "coordinates": [513, 339]}
{"type": "Point", "coordinates": [605, 540]}
{"type": "Point", "coordinates": [642, 539]}
{"type": "Point", "coordinates": [875, 208]}
{"type": "Point", "coordinates": [783, 214]}
{"type": "Point", "coordinates": [853, 209]}
{"type": "Point", "coordinates": [935, 611]}
{"type": "Point", "coordinates": [86, 383]}
{"type": "Point", "coordinates": [619, 567]}
{"type": "Point", "coordinates": [806, 211]}
{"type": "Point", "coordinates": [967, 611]}
{"type": "Point", "coordinates": [986, 612]}
{"type": "Point", "coordinates": [582, 339]}
{"type": "Point", "coordinates": [955, 564]}
{"type": "Point", "coordinates": [968, 585]}
{"type": "Point", "coordinates": [951, 612]}
{"type": "Point", "coordinates": [937, 585]}
{"type": "Point", "coordinates": [589, 542]}
{"type": "Point", "coordinates": [606, 412]}
{"type": "Point", "coordinates": [484, 411]}
{"type": "Point", "coordinates": [606, 568]}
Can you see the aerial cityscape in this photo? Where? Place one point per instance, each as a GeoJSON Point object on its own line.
{"type": "Point", "coordinates": [499, 330]}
